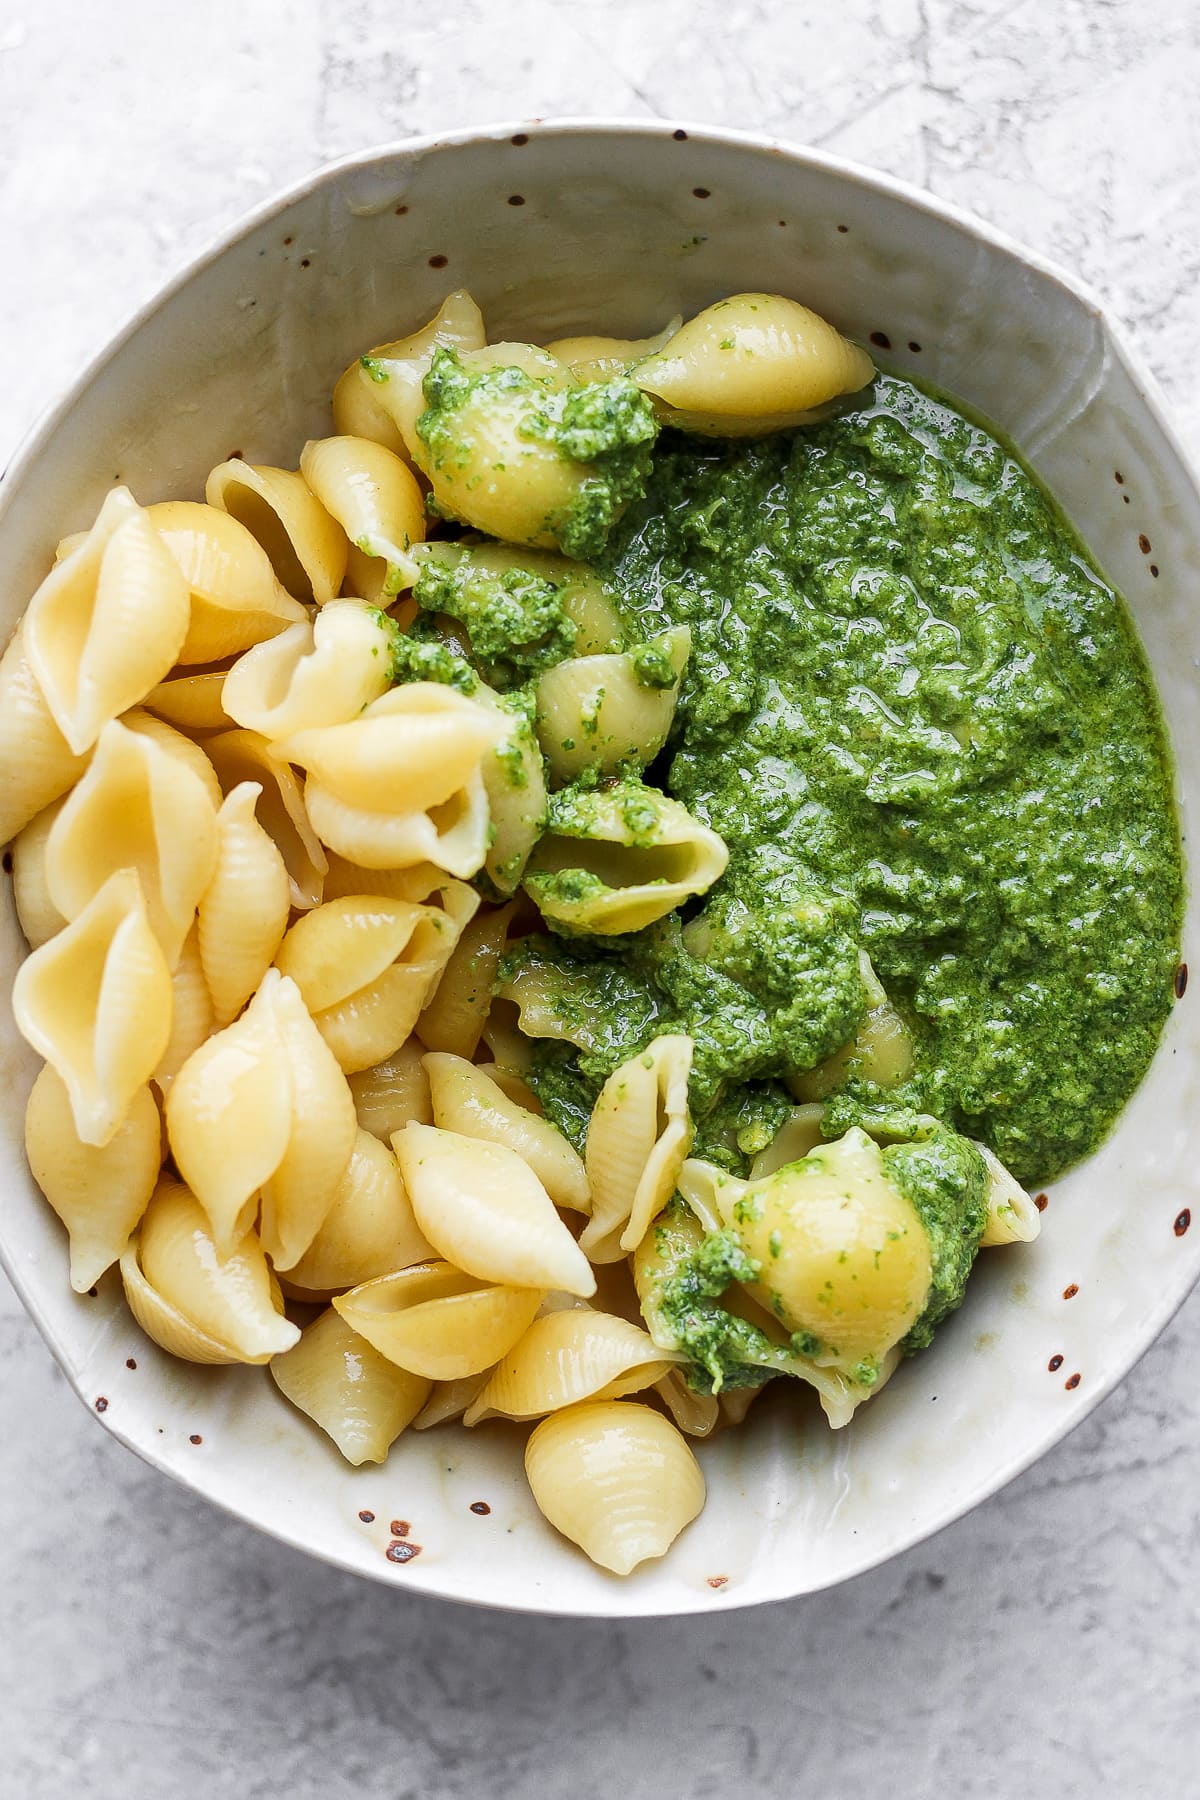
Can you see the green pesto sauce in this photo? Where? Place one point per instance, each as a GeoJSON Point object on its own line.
{"type": "Point", "coordinates": [922, 723]}
{"type": "Point", "coordinates": [946, 1180]}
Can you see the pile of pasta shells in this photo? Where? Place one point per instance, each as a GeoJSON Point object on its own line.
{"type": "Point", "coordinates": [276, 1093]}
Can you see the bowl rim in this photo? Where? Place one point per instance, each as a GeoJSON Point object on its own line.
{"type": "Point", "coordinates": [874, 181]}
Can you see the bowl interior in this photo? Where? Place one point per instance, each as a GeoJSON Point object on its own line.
{"type": "Point", "coordinates": [555, 229]}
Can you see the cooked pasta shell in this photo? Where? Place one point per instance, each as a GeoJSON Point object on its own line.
{"type": "Point", "coordinates": [697, 1415]}
{"type": "Point", "coordinates": [137, 807]}
{"type": "Point", "coordinates": [99, 1194]}
{"type": "Point", "coordinates": [192, 1019]}
{"type": "Point", "coordinates": [422, 883]}
{"type": "Point", "coordinates": [457, 1011]}
{"type": "Point", "coordinates": [370, 1230]}
{"type": "Point", "coordinates": [178, 745]}
{"type": "Point", "coordinates": [450, 1400]}
{"type": "Point", "coordinates": [453, 833]}
{"type": "Point", "coordinates": [307, 548]}
{"type": "Point", "coordinates": [566, 1356]}
{"type": "Point", "coordinates": [483, 1209]}
{"type": "Point", "coordinates": [243, 912]}
{"type": "Point", "coordinates": [468, 1100]}
{"type": "Point", "coordinates": [38, 915]}
{"type": "Point", "coordinates": [229, 1116]}
{"type": "Point", "coordinates": [395, 1091]}
{"type": "Point", "coordinates": [235, 600]}
{"type": "Point", "coordinates": [298, 1193]}
{"type": "Point", "coordinates": [193, 702]}
{"type": "Point", "coordinates": [734, 1403]}
{"type": "Point", "coordinates": [600, 358]}
{"type": "Point", "coordinates": [616, 1478]}
{"type": "Point", "coordinates": [197, 1304]}
{"type": "Point", "coordinates": [361, 399]}
{"type": "Point", "coordinates": [515, 784]}
{"type": "Point", "coordinates": [107, 623]}
{"type": "Point", "coordinates": [1012, 1218]}
{"type": "Point", "coordinates": [241, 756]}
{"type": "Point", "coordinates": [95, 1002]}
{"type": "Point", "coordinates": [409, 750]}
{"type": "Point", "coordinates": [583, 595]}
{"type": "Point", "coordinates": [881, 1051]}
{"type": "Point", "coordinates": [799, 1133]}
{"type": "Point", "coordinates": [375, 498]}
{"type": "Point", "coordinates": [37, 765]}
{"type": "Point", "coordinates": [321, 672]}
{"type": "Point", "coordinates": [638, 1136]}
{"type": "Point", "coordinates": [752, 362]}
{"type": "Point", "coordinates": [437, 1321]}
{"type": "Point", "coordinates": [598, 712]}
{"type": "Point", "coordinates": [616, 859]}
{"type": "Point", "coordinates": [358, 1398]}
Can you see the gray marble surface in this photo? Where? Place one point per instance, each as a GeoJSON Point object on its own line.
{"type": "Point", "coordinates": [1045, 1646]}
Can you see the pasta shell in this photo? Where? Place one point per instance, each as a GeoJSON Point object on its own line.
{"type": "Point", "coordinates": [235, 600]}
{"type": "Point", "coordinates": [457, 1009]}
{"type": "Point", "coordinates": [107, 623]}
{"type": "Point", "coordinates": [95, 1002]}
{"type": "Point", "coordinates": [595, 712]}
{"type": "Point", "coordinates": [453, 833]}
{"type": "Point", "coordinates": [358, 1398]}
{"type": "Point", "coordinates": [638, 1137]}
{"type": "Point", "coordinates": [38, 915]}
{"type": "Point", "coordinates": [239, 756]}
{"type": "Point", "coordinates": [422, 883]}
{"type": "Point", "coordinates": [1012, 1217]}
{"type": "Point", "coordinates": [484, 1210]}
{"type": "Point", "coordinates": [191, 1013]}
{"type": "Point", "coordinates": [450, 1400]}
{"type": "Point", "coordinates": [37, 765]}
{"type": "Point", "coordinates": [395, 1091]}
{"type": "Point", "coordinates": [616, 1479]}
{"type": "Point", "coordinates": [178, 745]}
{"type": "Point", "coordinates": [136, 808]}
{"type": "Point", "coordinates": [243, 912]}
{"type": "Point", "coordinates": [362, 398]}
{"type": "Point", "coordinates": [799, 1133]}
{"type": "Point", "coordinates": [600, 358]}
{"type": "Point", "coordinates": [467, 1100]}
{"type": "Point", "coordinates": [306, 547]}
{"type": "Point", "coordinates": [437, 1321]}
{"type": "Point", "coordinates": [515, 784]}
{"type": "Point", "coordinates": [567, 1356]}
{"type": "Point", "coordinates": [196, 1304]}
{"type": "Point", "coordinates": [192, 702]}
{"type": "Point", "coordinates": [375, 498]}
{"type": "Point", "coordinates": [370, 1230]}
{"type": "Point", "coordinates": [697, 1415]}
{"type": "Point", "coordinates": [99, 1194]}
{"type": "Point", "coordinates": [321, 672]}
{"type": "Point", "coordinates": [410, 750]}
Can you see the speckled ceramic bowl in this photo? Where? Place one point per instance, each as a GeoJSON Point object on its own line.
{"type": "Point", "coordinates": [557, 228]}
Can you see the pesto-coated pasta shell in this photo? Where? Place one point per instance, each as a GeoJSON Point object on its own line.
{"type": "Point", "coordinates": [616, 1478]}
{"type": "Point", "coordinates": [98, 1193]}
{"type": "Point", "coordinates": [598, 712]}
{"type": "Point", "coordinates": [457, 1010]}
{"type": "Point", "coordinates": [437, 1321]}
{"type": "Point", "coordinates": [393, 1092]}
{"type": "Point", "coordinates": [376, 499]}
{"type": "Point", "coordinates": [483, 1209]}
{"type": "Point", "coordinates": [37, 765]}
{"type": "Point", "coordinates": [468, 1100]}
{"type": "Point", "coordinates": [192, 1018]}
{"type": "Point", "coordinates": [39, 917]}
{"type": "Point", "coordinates": [638, 1136]}
{"type": "Point", "coordinates": [95, 1002]}
{"type": "Point", "coordinates": [243, 912]}
{"type": "Point", "coordinates": [1012, 1217]}
{"type": "Point", "coordinates": [881, 1051]}
{"type": "Point", "coordinates": [697, 1415]}
{"type": "Point", "coordinates": [322, 671]}
{"type": "Point", "coordinates": [361, 398]}
{"type": "Point", "coordinates": [370, 1229]}
{"type": "Point", "coordinates": [515, 784]}
{"type": "Point", "coordinates": [307, 549]}
{"type": "Point", "coordinates": [799, 1133]}
{"type": "Point", "coordinates": [358, 1398]}
{"type": "Point", "coordinates": [234, 598]}
{"type": "Point", "coordinates": [239, 756]}
{"type": "Point", "coordinates": [567, 1356]}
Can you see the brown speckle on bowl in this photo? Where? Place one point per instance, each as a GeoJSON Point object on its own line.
{"type": "Point", "coordinates": [1074, 1380]}
{"type": "Point", "coordinates": [1118, 477]}
{"type": "Point", "coordinates": [235, 456]}
{"type": "Point", "coordinates": [1182, 1221]}
{"type": "Point", "coordinates": [131, 1362]}
{"type": "Point", "coordinates": [101, 1403]}
{"type": "Point", "coordinates": [680, 135]}
{"type": "Point", "coordinates": [195, 1438]}
{"type": "Point", "coordinates": [914, 346]}
{"type": "Point", "coordinates": [1154, 570]}
{"type": "Point", "coordinates": [717, 1581]}
{"type": "Point", "coordinates": [1125, 498]}
{"type": "Point", "coordinates": [1143, 543]}
{"type": "Point", "coordinates": [701, 193]}
{"type": "Point", "coordinates": [93, 1293]}
{"type": "Point", "coordinates": [882, 339]}
{"type": "Point", "coordinates": [516, 199]}
{"type": "Point", "coordinates": [783, 224]}
{"type": "Point", "coordinates": [1041, 1201]}
{"type": "Point", "coordinates": [522, 137]}
{"type": "Point", "coordinates": [843, 228]}
{"type": "Point", "coordinates": [306, 262]}
{"type": "Point", "coordinates": [1070, 1292]}
{"type": "Point", "coordinates": [481, 1508]}
{"type": "Point", "coordinates": [1055, 1363]}
{"type": "Point", "coordinates": [401, 1552]}
{"type": "Point", "coordinates": [438, 262]}
{"type": "Point", "coordinates": [400, 210]}
{"type": "Point", "coordinates": [399, 1527]}
{"type": "Point", "coordinates": [1181, 981]}
{"type": "Point", "coordinates": [367, 1517]}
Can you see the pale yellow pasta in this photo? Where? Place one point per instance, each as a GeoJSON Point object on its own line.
{"type": "Point", "coordinates": [600, 358]}
{"type": "Point", "coordinates": [95, 1002]}
{"type": "Point", "coordinates": [395, 1091]}
{"type": "Point", "coordinates": [193, 701]}
{"type": "Point", "coordinates": [176, 744]}
{"type": "Point", "coordinates": [449, 1400]}
{"type": "Point", "coordinates": [799, 1133]}
{"type": "Point", "coordinates": [629, 856]}
{"type": "Point", "coordinates": [239, 756]}
{"type": "Point", "coordinates": [358, 1398]}
{"type": "Point", "coordinates": [360, 399]}
{"type": "Point", "coordinates": [422, 883]}
{"type": "Point", "coordinates": [38, 915]}
{"type": "Point", "coordinates": [306, 547]}
{"type": "Point", "coordinates": [1012, 1217]}
{"type": "Point", "coordinates": [369, 1230]}
{"type": "Point", "coordinates": [734, 1403]}
{"type": "Point", "coordinates": [638, 1136]}
{"type": "Point", "coordinates": [243, 912]}
{"type": "Point", "coordinates": [98, 1193]}
{"type": "Point", "coordinates": [750, 364]}
{"type": "Point", "coordinates": [512, 1050]}
{"type": "Point", "coordinates": [320, 672]}
{"type": "Point", "coordinates": [195, 1303]}
{"type": "Point", "coordinates": [566, 1356]}
{"type": "Point", "coordinates": [484, 1210]}
{"type": "Point", "coordinates": [137, 807]}
{"type": "Point", "coordinates": [594, 713]}
{"type": "Point", "coordinates": [697, 1415]}
{"type": "Point", "coordinates": [107, 623]}
{"type": "Point", "coordinates": [192, 1017]}
{"type": "Point", "coordinates": [364, 966]}
{"type": "Point", "coordinates": [235, 599]}
{"type": "Point", "coordinates": [616, 1478]}
{"type": "Point", "coordinates": [467, 1099]}
{"type": "Point", "coordinates": [439, 1322]}
{"type": "Point", "coordinates": [377, 500]}
{"type": "Point", "coordinates": [455, 1015]}
{"type": "Point", "coordinates": [37, 765]}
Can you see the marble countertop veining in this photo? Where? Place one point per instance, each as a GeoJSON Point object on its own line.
{"type": "Point", "coordinates": [1044, 1646]}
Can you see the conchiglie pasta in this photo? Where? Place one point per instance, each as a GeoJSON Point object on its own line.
{"type": "Point", "coordinates": [99, 1193]}
{"type": "Point", "coordinates": [107, 623]}
{"type": "Point", "coordinates": [306, 547]}
{"type": "Point", "coordinates": [697, 1415]}
{"type": "Point", "coordinates": [192, 702]}
{"type": "Point", "coordinates": [243, 912]}
{"type": "Point", "coordinates": [484, 1210]}
{"type": "Point", "coordinates": [192, 1017]}
{"type": "Point", "coordinates": [37, 765]}
{"type": "Point", "coordinates": [638, 1136]}
{"type": "Point", "coordinates": [567, 1356]}
{"type": "Point", "coordinates": [369, 1230]}
{"type": "Point", "coordinates": [235, 600]}
{"type": "Point", "coordinates": [377, 500]}
{"type": "Point", "coordinates": [616, 1478]}
{"type": "Point", "coordinates": [39, 917]}
{"type": "Point", "coordinates": [615, 860]}
{"type": "Point", "coordinates": [449, 1400]}
{"type": "Point", "coordinates": [393, 1092]}
{"type": "Point", "coordinates": [95, 1002]}
{"type": "Point", "coordinates": [881, 1051]}
{"type": "Point", "coordinates": [439, 1322]}
{"type": "Point", "coordinates": [468, 1100]}
{"type": "Point", "coordinates": [358, 1398]}
{"type": "Point", "coordinates": [320, 672]}
{"type": "Point", "coordinates": [1012, 1217]}
{"type": "Point", "coordinates": [799, 1133]}
{"type": "Point", "coordinates": [455, 1015]}
{"type": "Point", "coordinates": [422, 883]}
{"type": "Point", "coordinates": [176, 744]}
{"type": "Point", "coordinates": [600, 358]}
{"type": "Point", "coordinates": [583, 595]}
{"type": "Point", "coordinates": [245, 756]}
{"type": "Point", "coordinates": [515, 785]}
{"type": "Point", "coordinates": [361, 397]}
{"type": "Point", "coordinates": [605, 713]}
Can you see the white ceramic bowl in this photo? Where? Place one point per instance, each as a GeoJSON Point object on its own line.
{"type": "Point", "coordinates": [563, 227]}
